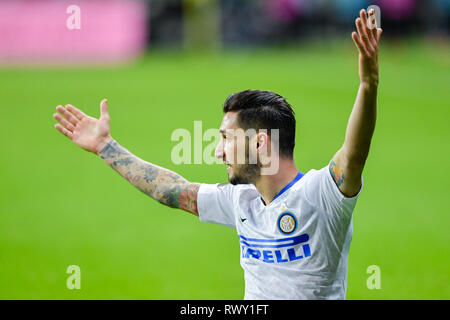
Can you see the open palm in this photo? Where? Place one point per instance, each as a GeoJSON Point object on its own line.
{"type": "Point", "coordinates": [88, 133]}
{"type": "Point", "coordinates": [367, 41]}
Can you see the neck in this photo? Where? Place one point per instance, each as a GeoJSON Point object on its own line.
{"type": "Point", "coordinates": [269, 186]}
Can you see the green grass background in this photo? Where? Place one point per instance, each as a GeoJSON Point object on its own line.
{"type": "Point", "coordinates": [61, 206]}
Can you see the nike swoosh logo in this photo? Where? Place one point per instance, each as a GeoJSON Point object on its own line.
{"type": "Point", "coordinates": [243, 219]}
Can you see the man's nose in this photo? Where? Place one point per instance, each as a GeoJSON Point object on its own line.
{"type": "Point", "coordinates": [219, 153]}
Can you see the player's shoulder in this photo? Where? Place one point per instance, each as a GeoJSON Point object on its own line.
{"type": "Point", "coordinates": [240, 192]}
{"type": "Point", "coordinates": [244, 188]}
{"type": "Point", "coordinates": [310, 174]}
{"type": "Point", "coordinates": [314, 173]}
{"type": "Point", "coordinates": [237, 188]}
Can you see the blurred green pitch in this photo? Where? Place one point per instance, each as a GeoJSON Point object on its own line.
{"type": "Point", "coordinates": [61, 206]}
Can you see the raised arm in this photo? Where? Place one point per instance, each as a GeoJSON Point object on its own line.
{"type": "Point", "coordinates": [348, 163]}
{"type": "Point", "coordinates": [94, 136]}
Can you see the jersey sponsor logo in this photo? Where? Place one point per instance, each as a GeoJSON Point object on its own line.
{"type": "Point", "coordinates": [275, 250]}
{"type": "Point", "coordinates": [287, 223]}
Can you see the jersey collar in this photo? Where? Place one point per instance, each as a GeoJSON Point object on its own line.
{"type": "Point", "coordinates": [290, 184]}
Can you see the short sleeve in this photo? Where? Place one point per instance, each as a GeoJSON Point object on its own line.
{"type": "Point", "coordinates": [323, 192]}
{"type": "Point", "coordinates": [215, 204]}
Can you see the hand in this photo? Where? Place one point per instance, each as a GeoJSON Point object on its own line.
{"type": "Point", "coordinates": [367, 40]}
{"type": "Point", "coordinates": [86, 132]}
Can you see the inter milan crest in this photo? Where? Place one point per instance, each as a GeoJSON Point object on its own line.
{"type": "Point", "coordinates": [287, 223]}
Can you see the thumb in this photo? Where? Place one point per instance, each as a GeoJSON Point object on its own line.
{"type": "Point", "coordinates": [104, 113]}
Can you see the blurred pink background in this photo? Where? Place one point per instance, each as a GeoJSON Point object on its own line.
{"type": "Point", "coordinates": [36, 31]}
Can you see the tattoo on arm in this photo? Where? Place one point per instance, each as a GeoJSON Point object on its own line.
{"type": "Point", "coordinates": [161, 184]}
{"type": "Point", "coordinates": [336, 173]}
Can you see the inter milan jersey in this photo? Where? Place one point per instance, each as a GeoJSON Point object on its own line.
{"type": "Point", "coordinates": [297, 246]}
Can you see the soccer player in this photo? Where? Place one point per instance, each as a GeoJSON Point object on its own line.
{"type": "Point", "coordinates": [294, 229]}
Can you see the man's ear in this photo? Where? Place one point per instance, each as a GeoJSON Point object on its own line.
{"type": "Point", "coordinates": [262, 141]}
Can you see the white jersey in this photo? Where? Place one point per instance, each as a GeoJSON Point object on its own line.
{"type": "Point", "coordinates": [294, 248]}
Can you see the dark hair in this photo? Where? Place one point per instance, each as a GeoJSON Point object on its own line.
{"type": "Point", "coordinates": [259, 109]}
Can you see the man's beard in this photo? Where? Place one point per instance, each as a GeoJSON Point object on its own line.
{"type": "Point", "coordinates": [246, 174]}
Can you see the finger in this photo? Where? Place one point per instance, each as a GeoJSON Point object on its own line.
{"type": "Point", "coordinates": [367, 34]}
{"type": "Point", "coordinates": [372, 24]}
{"type": "Point", "coordinates": [69, 117]}
{"type": "Point", "coordinates": [64, 131]}
{"type": "Point", "coordinates": [365, 29]}
{"type": "Point", "coordinates": [379, 32]}
{"type": "Point", "coordinates": [363, 35]}
{"type": "Point", "coordinates": [77, 112]}
{"type": "Point", "coordinates": [67, 125]}
{"type": "Point", "coordinates": [358, 43]}
{"type": "Point", "coordinates": [104, 113]}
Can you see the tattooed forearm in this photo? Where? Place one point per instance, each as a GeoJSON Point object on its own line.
{"type": "Point", "coordinates": [161, 184]}
{"type": "Point", "coordinates": [336, 173]}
